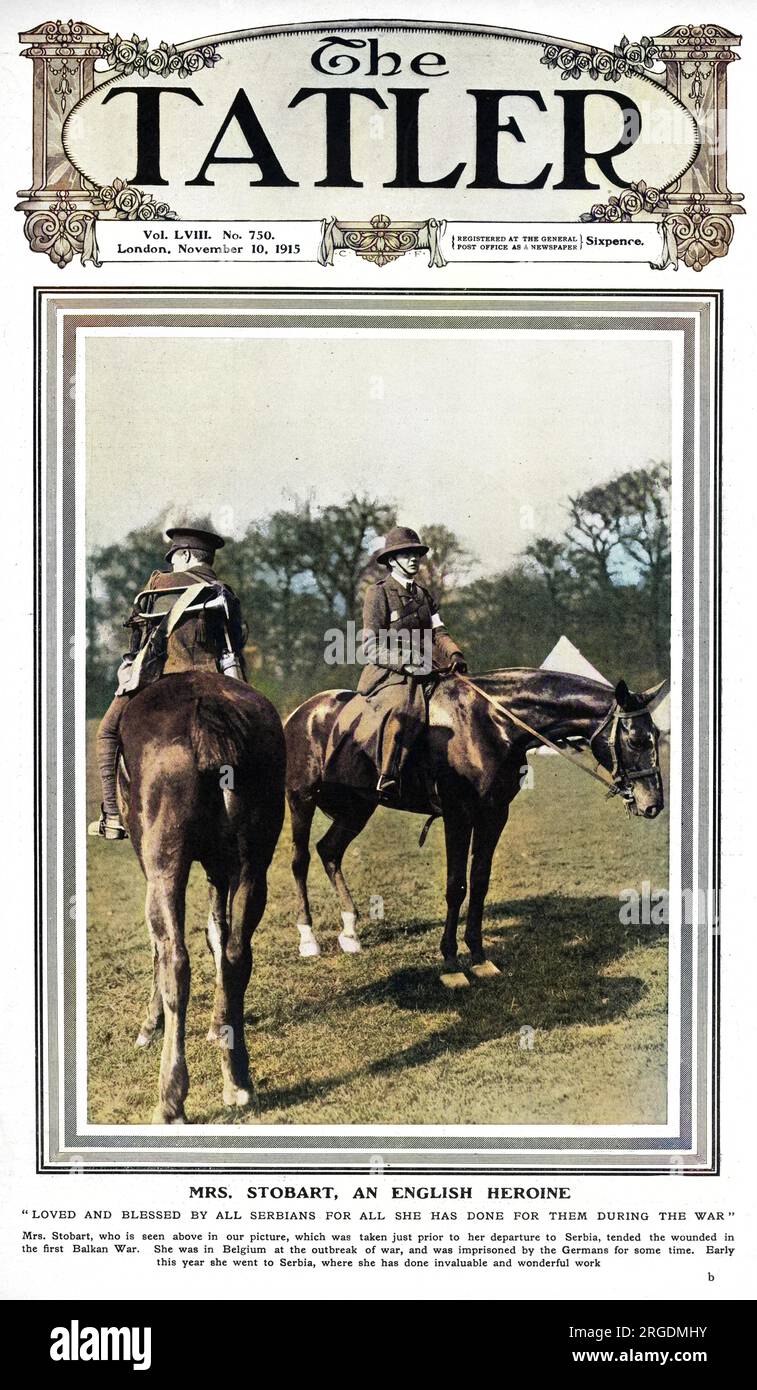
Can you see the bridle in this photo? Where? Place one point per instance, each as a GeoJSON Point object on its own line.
{"type": "Point", "coordinates": [622, 777]}
{"type": "Point", "coordinates": [619, 779]}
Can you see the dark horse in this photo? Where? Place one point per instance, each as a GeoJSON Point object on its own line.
{"type": "Point", "coordinates": [203, 780]}
{"type": "Point", "coordinates": [477, 757]}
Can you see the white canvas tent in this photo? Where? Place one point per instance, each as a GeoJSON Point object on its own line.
{"type": "Point", "coordinates": [564, 656]}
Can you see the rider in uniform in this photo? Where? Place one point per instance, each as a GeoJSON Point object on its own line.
{"type": "Point", "coordinates": [401, 620]}
{"type": "Point", "coordinates": [209, 639]}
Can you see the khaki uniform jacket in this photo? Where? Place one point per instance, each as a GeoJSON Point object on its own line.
{"type": "Point", "coordinates": [391, 607]}
{"type": "Point", "coordinates": [197, 642]}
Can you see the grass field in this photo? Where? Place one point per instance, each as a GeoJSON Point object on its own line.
{"type": "Point", "coordinates": [375, 1038]}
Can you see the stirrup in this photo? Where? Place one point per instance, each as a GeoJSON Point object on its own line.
{"type": "Point", "coordinates": [108, 827]}
{"type": "Point", "coordinates": [388, 790]}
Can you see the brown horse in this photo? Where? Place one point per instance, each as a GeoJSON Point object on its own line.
{"type": "Point", "coordinates": [203, 780]}
{"type": "Point", "coordinates": [476, 756]}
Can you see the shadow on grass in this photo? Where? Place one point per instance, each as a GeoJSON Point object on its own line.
{"type": "Point", "coordinates": [552, 952]}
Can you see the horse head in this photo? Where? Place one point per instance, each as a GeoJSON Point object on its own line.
{"type": "Point", "coordinates": [626, 744]}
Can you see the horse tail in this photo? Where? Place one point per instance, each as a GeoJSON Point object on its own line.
{"type": "Point", "coordinates": [220, 733]}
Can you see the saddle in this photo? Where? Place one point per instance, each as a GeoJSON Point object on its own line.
{"type": "Point", "coordinates": [349, 768]}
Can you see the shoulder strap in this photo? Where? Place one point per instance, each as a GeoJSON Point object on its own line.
{"type": "Point", "coordinates": [182, 602]}
{"type": "Point", "coordinates": [163, 628]}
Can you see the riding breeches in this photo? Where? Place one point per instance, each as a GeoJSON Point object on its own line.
{"type": "Point", "coordinates": [108, 743]}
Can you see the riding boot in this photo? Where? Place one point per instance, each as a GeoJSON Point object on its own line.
{"type": "Point", "coordinates": [388, 789]}
{"type": "Point", "coordinates": [389, 786]}
{"type": "Point", "coordinates": [109, 826]}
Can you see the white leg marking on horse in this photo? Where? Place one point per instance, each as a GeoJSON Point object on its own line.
{"type": "Point", "coordinates": [215, 941]}
{"type": "Point", "coordinates": [158, 1118]}
{"type": "Point", "coordinates": [242, 1098]}
{"type": "Point", "coordinates": [214, 937]}
{"type": "Point", "coordinates": [308, 944]}
{"type": "Point", "coordinates": [348, 938]}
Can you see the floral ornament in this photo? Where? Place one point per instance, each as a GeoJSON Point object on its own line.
{"type": "Point", "coordinates": [134, 55]}
{"type": "Point", "coordinates": [63, 230]}
{"type": "Point", "coordinates": [641, 55]}
{"type": "Point", "coordinates": [131, 204]}
{"type": "Point", "coordinates": [626, 60]}
{"type": "Point", "coordinates": [638, 198]}
{"type": "Point", "coordinates": [382, 241]}
{"type": "Point", "coordinates": [700, 233]}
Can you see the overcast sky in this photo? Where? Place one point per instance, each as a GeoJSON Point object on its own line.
{"type": "Point", "coordinates": [464, 431]}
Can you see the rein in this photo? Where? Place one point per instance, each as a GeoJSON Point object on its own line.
{"type": "Point", "coordinates": [612, 783]}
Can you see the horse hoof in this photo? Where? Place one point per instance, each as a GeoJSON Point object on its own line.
{"type": "Point", "coordinates": [144, 1039]}
{"type": "Point", "coordinates": [454, 979]}
{"type": "Point", "coordinates": [239, 1097]}
{"type": "Point", "coordinates": [487, 970]}
{"type": "Point", "coordinates": [158, 1118]}
{"type": "Point", "coordinates": [309, 947]}
{"type": "Point", "coordinates": [349, 944]}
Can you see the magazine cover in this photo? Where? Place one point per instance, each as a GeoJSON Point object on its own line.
{"type": "Point", "coordinates": [378, 823]}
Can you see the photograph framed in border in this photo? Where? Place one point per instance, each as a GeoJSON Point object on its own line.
{"type": "Point", "coordinates": [547, 466]}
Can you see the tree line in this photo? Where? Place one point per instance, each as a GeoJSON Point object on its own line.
{"type": "Point", "coordinates": [605, 583]}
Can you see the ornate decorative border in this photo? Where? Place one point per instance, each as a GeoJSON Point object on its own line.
{"type": "Point", "coordinates": [691, 61]}
{"type": "Point", "coordinates": [627, 59]}
{"type": "Point", "coordinates": [700, 232]}
{"type": "Point", "coordinates": [64, 229]}
{"type": "Point", "coordinates": [134, 55]}
{"type": "Point", "coordinates": [636, 199]}
{"type": "Point", "coordinates": [381, 240]}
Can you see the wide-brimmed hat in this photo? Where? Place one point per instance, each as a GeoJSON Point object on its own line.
{"type": "Point", "coordinates": [187, 537]}
{"type": "Point", "coordinates": [398, 539]}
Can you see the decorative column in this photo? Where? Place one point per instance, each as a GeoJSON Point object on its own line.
{"type": "Point", "coordinates": [59, 206]}
{"type": "Point", "coordinates": [696, 58]}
